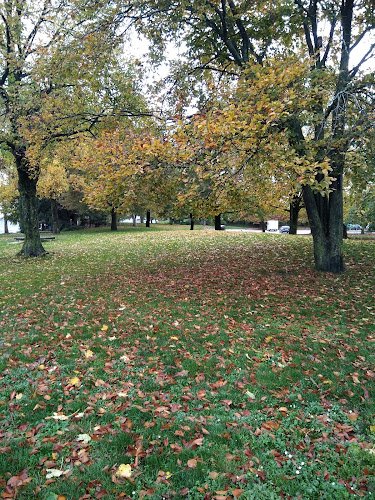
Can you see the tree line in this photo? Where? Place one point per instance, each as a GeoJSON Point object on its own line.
{"type": "Point", "coordinates": [265, 106]}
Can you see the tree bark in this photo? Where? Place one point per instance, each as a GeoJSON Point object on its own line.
{"type": "Point", "coordinates": [113, 220]}
{"type": "Point", "coordinates": [134, 217]}
{"type": "Point", "coordinates": [218, 222]}
{"type": "Point", "coordinates": [32, 246]}
{"type": "Point", "coordinates": [263, 226]}
{"type": "Point", "coordinates": [191, 222]}
{"type": "Point", "coordinates": [326, 222]}
{"type": "Point", "coordinates": [55, 217]}
{"type": "Point", "coordinates": [6, 228]}
{"type": "Point", "coordinates": [148, 218]}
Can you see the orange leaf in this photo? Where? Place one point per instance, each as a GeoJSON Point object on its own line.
{"type": "Point", "coordinates": [352, 416]}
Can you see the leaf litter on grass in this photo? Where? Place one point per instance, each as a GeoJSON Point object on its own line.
{"type": "Point", "coordinates": [203, 367]}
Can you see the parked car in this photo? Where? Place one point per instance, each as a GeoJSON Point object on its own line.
{"type": "Point", "coordinates": [284, 229]}
{"type": "Point", "coordinates": [354, 227]}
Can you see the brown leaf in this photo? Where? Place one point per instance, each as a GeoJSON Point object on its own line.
{"type": "Point", "coordinates": [101, 494]}
{"type": "Point", "coordinates": [198, 442]}
{"type": "Point", "coordinates": [237, 492]}
{"type": "Point", "coordinates": [192, 463]}
{"type": "Point", "coordinates": [352, 416]}
{"type": "Point", "coordinates": [355, 378]}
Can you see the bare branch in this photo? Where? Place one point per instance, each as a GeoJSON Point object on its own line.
{"type": "Point", "coordinates": [365, 58]}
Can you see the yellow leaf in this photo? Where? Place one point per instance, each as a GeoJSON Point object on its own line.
{"type": "Point", "coordinates": [104, 328]}
{"type": "Point", "coordinates": [173, 338]}
{"type": "Point", "coordinates": [268, 339]}
{"type": "Point", "coordinates": [19, 396]}
{"type": "Point", "coordinates": [74, 381]}
{"type": "Point", "coordinates": [89, 354]}
{"type": "Point", "coordinates": [372, 428]}
{"type": "Point", "coordinates": [124, 470]}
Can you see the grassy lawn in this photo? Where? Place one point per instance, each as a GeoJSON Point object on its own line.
{"type": "Point", "coordinates": [176, 364]}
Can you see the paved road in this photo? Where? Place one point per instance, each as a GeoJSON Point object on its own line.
{"type": "Point", "coordinates": [299, 231]}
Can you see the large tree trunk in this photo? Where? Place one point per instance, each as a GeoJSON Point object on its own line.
{"type": "Point", "coordinates": [148, 218]}
{"type": "Point", "coordinates": [113, 220]}
{"type": "Point", "coordinates": [55, 216]}
{"type": "Point", "coordinates": [32, 246]}
{"type": "Point", "coordinates": [294, 208]}
{"type": "Point", "coordinates": [134, 217]}
{"type": "Point", "coordinates": [326, 221]}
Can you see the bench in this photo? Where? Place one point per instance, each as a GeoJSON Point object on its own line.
{"type": "Point", "coordinates": [42, 238]}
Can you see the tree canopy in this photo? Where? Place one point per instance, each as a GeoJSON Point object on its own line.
{"type": "Point", "coordinates": [283, 109]}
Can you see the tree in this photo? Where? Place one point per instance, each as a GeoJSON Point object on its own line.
{"type": "Point", "coordinates": [360, 208]}
{"type": "Point", "coordinates": [52, 183]}
{"type": "Point", "coordinates": [56, 62]}
{"type": "Point", "coordinates": [8, 197]}
{"type": "Point", "coordinates": [241, 159]}
{"type": "Point", "coordinates": [236, 32]}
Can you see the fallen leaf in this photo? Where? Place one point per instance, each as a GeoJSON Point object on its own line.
{"type": "Point", "coordinates": [250, 395]}
{"type": "Point", "coordinates": [124, 471]}
{"type": "Point", "coordinates": [352, 416]}
{"type": "Point", "coordinates": [355, 378]}
{"type": "Point", "coordinates": [85, 438]}
{"type": "Point", "coordinates": [57, 416]}
{"type": "Point", "coordinates": [75, 381]}
{"type": "Point", "coordinates": [192, 463]}
{"type": "Point", "coordinates": [54, 473]}
{"type": "Point", "coordinates": [89, 354]}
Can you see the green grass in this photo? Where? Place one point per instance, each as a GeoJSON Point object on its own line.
{"type": "Point", "coordinates": [216, 364]}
